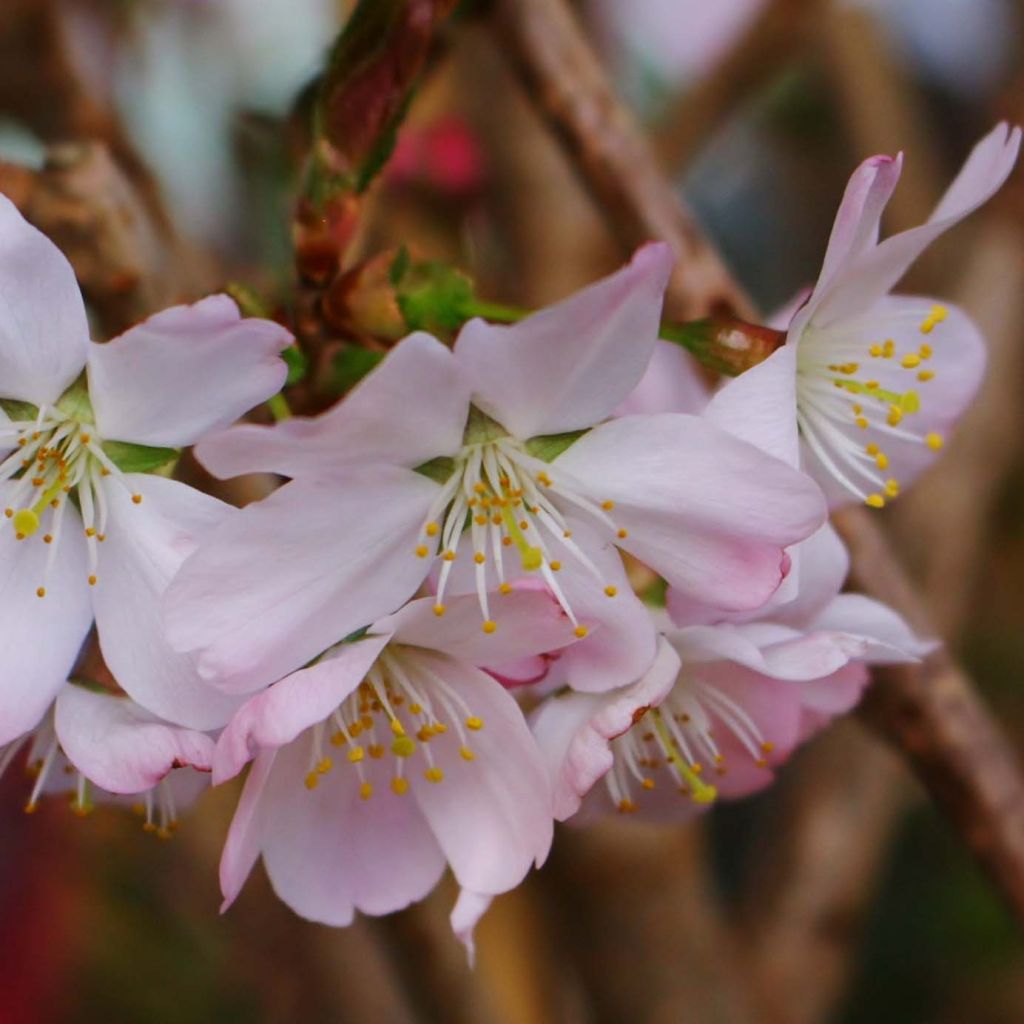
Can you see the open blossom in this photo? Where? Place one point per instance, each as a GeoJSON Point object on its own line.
{"type": "Point", "coordinates": [99, 747]}
{"type": "Point", "coordinates": [81, 536]}
{"type": "Point", "coordinates": [881, 378]}
{"type": "Point", "coordinates": [723, 703]}
{"type": "Point", "coordinates": [520, 470]}
{"type": "Point", "coordinates": [390, 757]}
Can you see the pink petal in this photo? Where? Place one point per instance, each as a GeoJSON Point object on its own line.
{"type": "Point", "coordinates": [820, 574]}
{"type": "Point", "coordinates": [121, 747]}
{"type": "Point", "coordinates": [872, 275]}
{"type": "Point", "coordinates": [277, 715]}
{"type": "Point", "coordinates": [185, 372]}
{"type": "Point", "coordinates": [671, 383]}
{"type": "Point", "coordinates": [491, 815]}
{"type": "Point", "coordinates": [567, 366]}
{"type": "Point", "coordinates": [329, 853]}
{"type": "Point", "coordinates": [242, 845]}
{"type": "Point", "coordinates": [887, 637]}
{"type": "Point", "coordinates": [40, 638]}
{"type": "Point", "coordinates": [145, 546]}
{"type": "Point", "coordinates": [410, 409]}
{"type": "Point", "coordinates": [44, 333]}
{"type": "Point", "coordinates": [708, 512]}
{"type": "Point", "coordinates": [468, 909]}
{"type": "Point", "coordinates": [285, 579]}
{"type": "Point", "coordinates": [529, 623]}
{"type": "Point", "coordinates": [574, 730]}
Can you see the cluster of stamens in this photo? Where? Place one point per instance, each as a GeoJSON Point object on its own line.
{"type": "Point", "coordinates": [56, 457]}
{"type": "Point", "coordinates": [832, 394]}
{"type": "Point", "coordinates": [503, 495]}
{"type": "Point", "coordinates": [399, 710]}
{"type": "Point", "coordinates": [678, 739]}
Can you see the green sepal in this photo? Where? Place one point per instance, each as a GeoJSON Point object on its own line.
{"type": "Point", "coordinates": [138, 458]}
{"type": "Point", "coordinates": [439, 470]}
{"type": "Point", "coordinates": [480, 428]}
{"type": "Point", "coordinates": [356, 635]}
{"type": "Point", "coordinates": [548, 447]}
{"type": "Point", "coordinates": [298, 365]}
{"type": "Point", "coordinates": [434, 297]}
{"type": "Point", "coordinates": [19, 410]}
{"type": "Point", "coordinates": [75, 402]}
{"type": "Point", "coordinates": [655, 594]}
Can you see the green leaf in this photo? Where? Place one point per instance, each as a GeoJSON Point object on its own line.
{"type": "Point", "coordinates": [349, 366]}
{"type": "Point", "coordinates": [18, 410]}
{"type": "Point", "coordinates": [138, 458]}
{"type": "Point", "coordinates": [439, 470]}
{"type": "Point", "coordinates": [548, 447]}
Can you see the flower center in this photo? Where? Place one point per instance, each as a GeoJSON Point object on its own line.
{"type": "Point", "coordinates": [836, 386]}
{"type": "Point", "coordinates": [505, 496]}
{"type": "Point", "coordinates": [56, 458]}
{"type": "Point", "coordinates": [678, 739]}
{"type": "Point", "coordinates": [399, 710]}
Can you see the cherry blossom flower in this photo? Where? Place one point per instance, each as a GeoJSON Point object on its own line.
{"type": "Point", "coordinates": [82, 535]}
{"type": "Point", "coordinates": [881, 379]}
{"type": "Point", "coordinates": [435, 765]}
{"type": "Point", "coordinates": [102, 748]}
{"type": "Point", "coordinates": [723, 704]}
{"type": "Point", "coordinates": [509, 433]}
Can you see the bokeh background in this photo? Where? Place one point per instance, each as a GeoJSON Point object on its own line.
{"type": "Point", "coordinates": [759, 110]}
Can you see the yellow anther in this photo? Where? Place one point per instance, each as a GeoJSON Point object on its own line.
{"type": "Point", "coordinates": [567, 534]}
{"type": "Point", "coordinates": [543, 479]}
{"type": "Point", "coordinates": [882, 460]}
{"type": "Point", "coordinates": [489, 625]}
{"type": "Point", "coordinates": [925, 351]}
{"type": "Point", "coordinates": [403, 746]}
{"type": "Point", "coordinates": [626, 807]}
{"type": "Point", "coordinates": [861, 422]}
{"type": "Point", "coordinates": [449, 556]}
{"type": "Point", "coordinates": [875, 350]}
{"type": "Point", "coordinates": [506, 541]}
{"type": "Point", "coordinates": [895, 416]}
{"type": "Point", "coordinates": [479, 488]}
{"type": "Point", "coordinates": [365, 790]}
{"type": "Point", "coordinates": [92, 581]}
{"type": "Point", "coordinates": [555, 566]}
{"type": "Point", "coordinates": [421, 551]}
{"type": "Point", "coordinates": [439, 610]}
{"type": "Point", "coordinates": [610, 591]}
{"type": "Point", "coordinates": [137, 499]}
{"type": "Point", "coordinates": [872, 448]}
{"type": "Point", "coordinates": [26, 522]}
{"type": "Point", "coordinates": [41, 592]}
{"type": "Point", "coordinates": [523, 524]}
{"type": "Point", "coordinates": [622, 534]}
{"type": "Point", "coordinates": [399, 786]}
{"type": "Point", "coordinates": [47, 538]}
{"type": "Point", "coordinates": [324, 765]}
{"type": "Point", "coordinates": [580, 631]}
{"type": "Point", "coordinates": [431, 529]}
{"type": "Point", "coordinates": [312, 780]}
{"type": "Point", "coordinates": [366, 721]}
{"type": "Point", "coordinates": [926, 375]}
{"type": "Point", "coordinates": [648, 783]}
{"type": "Point", "coordinates": [415, 709]}
{"type": "Point", "coordinates": [480, 520]}
{"type": "Point", "coordinates": [376, 751]}
{"type": "Point", "coordinates": [85, 438]}
{"type": "Point", "coordinates": [889, 348]}
{"type": "Point", "coordinates": [938, 313]}
{"type": "Point", "coordinates": [356, 754]}
{"type": "Point", "coordinates": [607, 505]}
{"type": "Point", "coordinates": [338, 739]}
{"type": "Point", "coordinates": [355, 729]}
{"type": "Point", "coordinates": [479, 558]}
{"type": "Point", "coordinates": [934, 441]}
{"type": "Point", "coordinates": [875, 501]}
{"type": "Point", "coordinates": [9, 512]}
{"type": "Point", "coordinates": [433, 774]}
{"type": "Point", "coordinates": [892, 487]}
{"type": "Point", "coordinates": [911, 361]}
{"type": "Point", "coordinates": [90, 531]}
{"type": "Point", "coordinates": [397, 728]}
{"type": "Point", "coordinates": [505, 588]}
{"type": "Point", "coordinates": [466, 754]}
{"type": "Point", "coordinates": [474, 723]}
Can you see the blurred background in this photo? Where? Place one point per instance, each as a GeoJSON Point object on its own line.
{"type": "Point", "coordinates": [841, 894]}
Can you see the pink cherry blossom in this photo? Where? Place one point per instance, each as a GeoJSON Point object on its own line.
{"type": "Point", "coordinates": [435, 765]}
{"type": "Point", "coordinates": [510, 432]}
{"type": "Point", "coordinates": [102, 748]}
{"type": "Point", "coordinates": [723, 703]}
{"type": "Point", "coordinates": [881, 379]}
{"type": "Point", "coordinates": [66, 404]}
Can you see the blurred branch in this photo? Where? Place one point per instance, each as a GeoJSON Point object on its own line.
{"type": "Point", "coordinates": [930, 712]}
{"type": "Point", "coordinates": [614, 159]}
{"type": "Point", "coordinates": [778, 33]}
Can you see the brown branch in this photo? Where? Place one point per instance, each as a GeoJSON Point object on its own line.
{"type": "Point", "coordinates": [615, 161]}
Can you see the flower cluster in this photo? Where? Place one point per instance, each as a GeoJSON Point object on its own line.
{"type": "Point", "coordinates": [541, 573]}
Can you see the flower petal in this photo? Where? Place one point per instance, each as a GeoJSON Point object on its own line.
{"type": "Point", "coordinates": [184, 372]}
{"type": "Point", "coordinates": [278, 714]}
{"type": "Point", "coordinates": [468, 909]}
{"type": "Point", "coordinates": [566, 367]}
{"type": "Point", "coordinates": [329, 853]}
{"type": "Point", "coordinates": [121, 747]}
{"type": "Point", "coordinates": [888, 638]}
{"type": "Point", "coordinates": [872, 275]}
{"type": "Point", "coordinates": [708, 512]}
{"type": "Point", "coordinates": [286, 578]}
{"type": "Point", "coordinates": [146, 544]}
{"type": "Point", "coordinates": [671, 383]}
{"type": "Point", "coordinates": [529, 623]}
{"type": "Point", "coordinates": [410, 409]}
{"type": "Point", "coordinates": [242, 845]}
{"type": "Point", "coordinates": [574, 730]}
{"type": "Point", "coordinates": [40, 638]}
{"type": "Point", "coordinates": [490, 815]}
{"type": "Point", "coordinates": [44, 333]}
